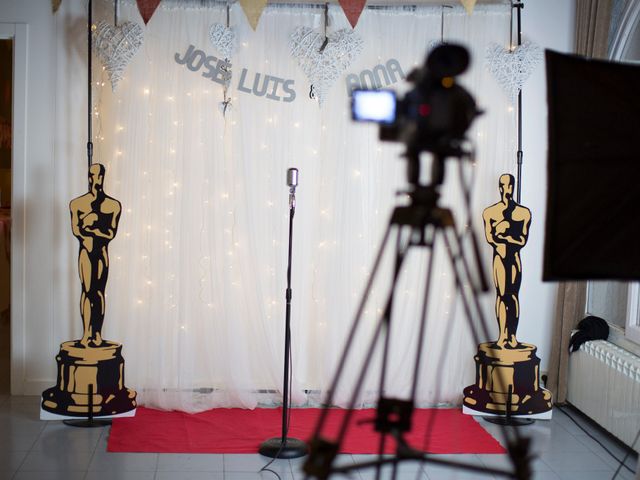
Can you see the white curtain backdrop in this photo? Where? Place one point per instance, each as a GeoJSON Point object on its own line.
{"type": "Point", "coordinates": [198, 268]}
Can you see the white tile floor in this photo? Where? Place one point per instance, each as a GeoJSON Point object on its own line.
{"type": "Point", "coordinates": [34, 450]}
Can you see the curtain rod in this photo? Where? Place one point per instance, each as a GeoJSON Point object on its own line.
{"type": "Point", "coordinates": [391, 3]}
{"type": "Point", "coordinates": [370, 3]}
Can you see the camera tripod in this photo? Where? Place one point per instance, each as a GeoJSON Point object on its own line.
{"type": "Point", "coordinates": [423, 223]}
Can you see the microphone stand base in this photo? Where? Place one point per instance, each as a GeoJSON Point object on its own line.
{"type": "Point", "coordinates": [292, 448]}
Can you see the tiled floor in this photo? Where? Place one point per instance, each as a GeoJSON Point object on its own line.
{"type": "Point", "coordinates": [34, 450]}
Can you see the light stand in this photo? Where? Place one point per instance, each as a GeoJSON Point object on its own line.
{"type": "Point", "coordinates": [508, 419]}
{"type": "Point", "coordinates": [89, 422]}
{"type": "Point", "coordinates": [519, 6]}
{"type": "Point", "coordinates": [283, 447]}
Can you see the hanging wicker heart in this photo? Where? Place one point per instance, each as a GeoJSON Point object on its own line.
{"type": "Point", "coordinates": [323, 68]}
{"type": "Point", "coordinates": [512, 68]}
{"type": "Point", "coordinates": [116, 46]}
{"type": "Point", "coordinates": [223, 40]}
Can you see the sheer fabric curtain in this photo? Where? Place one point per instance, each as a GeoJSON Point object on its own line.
{"type": "Point", "coordinates": [198, 270]}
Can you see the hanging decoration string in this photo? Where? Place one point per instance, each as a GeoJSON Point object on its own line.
{"type": "Point", "coordinates": [511, 46]}
{"type": "Point", "coordinates": [326, 23]}
{"type": "Point", "coordinates": [226, 103]}
{"type": "Point", "coordinates": [312, 93]}
{"type": "Point", "coordinates": [442, 22]}
{"type": "Point", "coordinates": [115, 12]}
{"type": "Point", "coordinates": [436, 43]}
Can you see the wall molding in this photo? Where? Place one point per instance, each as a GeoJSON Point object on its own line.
{"type": "Point", "coordinates": [19, 33]}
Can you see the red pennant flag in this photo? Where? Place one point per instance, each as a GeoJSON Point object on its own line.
{"type": "Point", "coordinates": [352, 9]}
{"type": "Point", "coordinates": [147, 8]}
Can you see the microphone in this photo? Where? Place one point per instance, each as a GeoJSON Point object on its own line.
{"type": "Point", "coordinates": [292, 183]}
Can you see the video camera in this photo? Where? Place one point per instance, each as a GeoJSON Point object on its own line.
{"type": "Point", "coordinates": [434, 116]}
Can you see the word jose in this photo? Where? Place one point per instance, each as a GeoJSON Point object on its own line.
{"type": "Point", "coordinates": [219, 71]}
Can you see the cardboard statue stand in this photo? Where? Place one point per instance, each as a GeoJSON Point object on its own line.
{"type": "Point", "coordinates": [507, 370]}
{"type": "Point", "coordinates": [91, 370]}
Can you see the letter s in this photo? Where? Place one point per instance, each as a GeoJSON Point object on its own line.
{"type": "Point", "coordinates": [288, 88]}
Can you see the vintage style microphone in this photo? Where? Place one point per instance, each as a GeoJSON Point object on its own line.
{"type": "Point", "coordinates": [283, 447]}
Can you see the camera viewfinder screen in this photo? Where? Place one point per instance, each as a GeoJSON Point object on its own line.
{"type": "Point", "coordinates": [374, 106]}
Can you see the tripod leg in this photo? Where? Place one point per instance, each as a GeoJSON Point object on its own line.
{"type": "Point", "coordinates": [451, 236]}
{"type": "Point", "coordinates": [323, 451]}
{"type": "Point", "coordinates": [401, 255]}
{"type": "Point", "coordinates": [423, 315]}
{"type": "Point", "coordinates": [466, 278]}
{"type": "Point", "coordinates": [463, 280]}
{"type": "Point", "coordinates": [352, 333]}
{"type": "Point", "coordinates": [386, 316]}
{"type": "Point", "coordinates": [440, 364]}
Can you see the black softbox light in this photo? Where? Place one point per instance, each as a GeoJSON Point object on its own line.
{"type": "Point", "coordinates": [593, 198]}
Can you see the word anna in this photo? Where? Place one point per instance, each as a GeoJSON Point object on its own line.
{"type": "Point", "coordinates": [378, 77]}
{"type": "Point", "coordinates": [219, 71]}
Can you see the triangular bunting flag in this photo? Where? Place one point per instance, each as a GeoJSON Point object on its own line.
{"type": "Point", "coordinates": [352, 9]}
{"type": "Point", "coordinates": [55, 5]}
{"type": "Point", "coordinates": [253, 9]}
{"type": "Point", "coordinates": [468, 5]}
{"type": "Point", "coordinates": [147, 8]}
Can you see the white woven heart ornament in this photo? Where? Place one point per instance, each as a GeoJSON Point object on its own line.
{"type": "Point", "coordinates": [512, 68]}
{"type": "Point", "coordinates": [223, 40]}
{"type": "Point", "coordinates": [323, 68]}
{"type": "Point", "coordinates": [116, 46]}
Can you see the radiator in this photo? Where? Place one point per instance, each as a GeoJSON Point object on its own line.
{"type": "Point", "coordinates": [604, 383]}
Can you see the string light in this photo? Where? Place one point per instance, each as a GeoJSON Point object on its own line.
{"type": "Point", "coordinates": [269, 271]}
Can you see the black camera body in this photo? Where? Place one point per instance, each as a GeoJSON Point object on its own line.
{"type": "Point", "coordinates": [434, 116]}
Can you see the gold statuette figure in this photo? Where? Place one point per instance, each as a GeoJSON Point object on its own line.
{"type": "Point", "coordinates": [94, 222]}
{"type": "Point", "coordinates": [91, 370]}
{"type": "Point", "coordinates": [506, 227]}
{"type": "Point", "coordinates": [507, 371]}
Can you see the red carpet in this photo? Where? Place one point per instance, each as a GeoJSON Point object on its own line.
{"type": "Point", "coordinates": [241, 431]}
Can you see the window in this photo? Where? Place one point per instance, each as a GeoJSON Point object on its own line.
{"type": "Point", "coordinates": [632, 328]}
{"type": "Point", "coordinates": [619, 304]}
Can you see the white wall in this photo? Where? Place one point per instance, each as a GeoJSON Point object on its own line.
{"type": "Point", "coordinates": [550, 24]}
{"type": "Point", "coordinates": [55, 171]}
{"type": "Point", "coordinates": [37, 202]}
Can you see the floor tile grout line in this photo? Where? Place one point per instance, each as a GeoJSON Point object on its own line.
{"type": "Point", "coordinates": [29, 451]}
{"type": "Point", "coordinates": [155, 472]}
{"type": "Point", "coordinates": [603, 454]}
{"type": "Point", "coordinates": [605, 444]}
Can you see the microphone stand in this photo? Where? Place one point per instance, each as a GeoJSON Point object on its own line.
{"type": "Point", "coordinates": [283, 447]}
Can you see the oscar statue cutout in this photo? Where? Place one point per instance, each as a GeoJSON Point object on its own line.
{"type": "Point", "coordinates": [507, 370]}
{"type": "Point", "coordinates": [91, 370]}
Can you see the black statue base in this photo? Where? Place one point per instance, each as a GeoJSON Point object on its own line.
{"type": "Point", "coordinates": [293, 448]}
